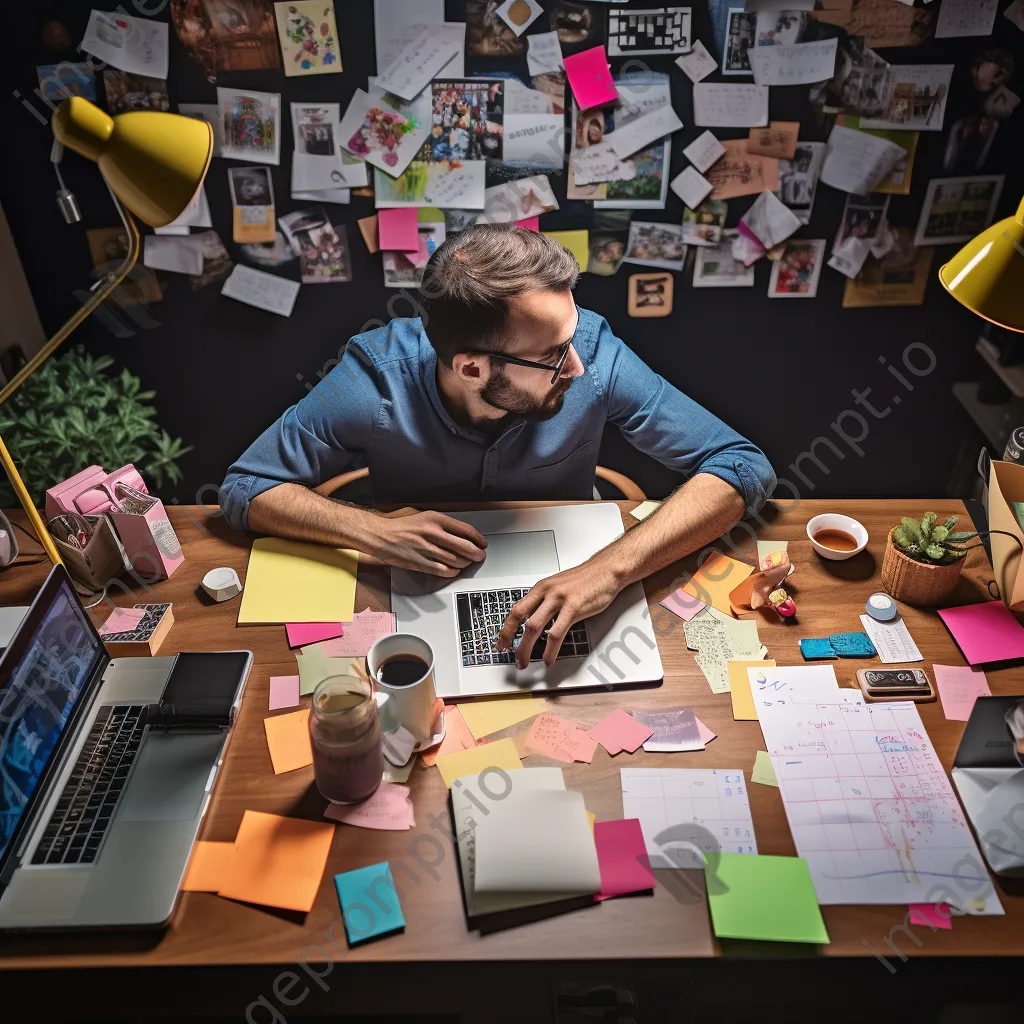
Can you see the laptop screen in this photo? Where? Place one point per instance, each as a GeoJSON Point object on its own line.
{"type": "Point", "coordinates": [42, 676]}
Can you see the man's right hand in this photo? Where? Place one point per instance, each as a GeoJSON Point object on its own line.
{"type": "Point", "coordinates": [426, 542]}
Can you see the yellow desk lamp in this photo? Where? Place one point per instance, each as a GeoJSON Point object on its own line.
{"type": "Point", "coordinates": [987, 274]}
{"type": "Point", "coordinates": [153, 163]}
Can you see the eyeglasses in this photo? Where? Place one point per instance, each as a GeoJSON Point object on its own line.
{"type": "Point", "coordinates": [556, 368]}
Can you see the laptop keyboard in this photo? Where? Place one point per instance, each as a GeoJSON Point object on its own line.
{"type": "Point", "coordinates": [83, 813]}
{"type": "Point", "coordinates": [482, 613]}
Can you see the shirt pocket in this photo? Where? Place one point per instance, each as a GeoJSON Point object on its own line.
{"type": "Point", "coordinates": [563, 478]}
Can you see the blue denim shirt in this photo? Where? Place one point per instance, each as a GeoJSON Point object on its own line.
{"type": "Point", "coordinates": [381, 403]}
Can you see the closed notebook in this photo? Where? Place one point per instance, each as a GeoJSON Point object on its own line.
{"type": "Point", "coordinates": [537, 842]}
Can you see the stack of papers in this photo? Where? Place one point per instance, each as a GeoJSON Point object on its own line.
{"type": "Point", "coordinates": [719, 639]}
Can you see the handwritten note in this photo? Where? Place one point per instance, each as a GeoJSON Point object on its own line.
{"type": "Point", "coordinates": [411, 71]}
{"type": "Point", "coordinates": [959, 687]}
{"type": "Point", "coordinates": [966, 18]}
{"type": "Point", "coordinates": [892, 640]}
{"type": "Point", "coordinates": [730, 106]}
{"type": "Point", "coordinates": [561, 739]}
{"type": "Point", "coordinates": [794, 63]}
{"type": "Point", "coordinates": [598, 163]}
{"type": "Point", "coordinates": [388, 809]}
{"type": "Point", "coordinates": [121, 620]}
{"type": "Point", "coordinates": [514, 200]}
{"type": "Point", "coordinates": [258, 288]}
{"type": "Point", "coordinates": [779, 140]}
{"type": "Point", "coordinates": [740, 173]}
{"type": "Point", "coordinates": [698, 63]}
{"type": "Point", "coordinates": [704, 151]}
{"type": "Point", "coordinates": [360, 634]}
{"type": "Point", "coordinates": [543, 53]}
{"type": "Point", "coordinates": [857, 162]}
{"type": "Point", "coordinates": [644, 130]}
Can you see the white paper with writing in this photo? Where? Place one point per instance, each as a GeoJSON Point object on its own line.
{"type": "Point", "coordinates": [599, 163]}
{"type": "Point", "coordinates": [966, 18]}
{"type": "Point", "coordinates": [699, 63]}
{"type": "Point", "coordinates": [460, 189]}
{"type": "Point", "coordinates": [535, 139]}
{"type": "Point", "coordinates": [857, 162]}
{"type": "Point", "coordinates": [515, 200]}
{"type": "Point", "coordinates": [258, 288]}
{"type": "Point", "coordinates": [643, 131]}
{"type": "Point", "coordinates": [135, 45]}
{"type": "Point", "coordinates": [704, 151]}
{"type": "Point", "coordinates": [725, 105]}
{"type": "Point", "coordinates": [794, 64]}
{"type": "Point", "coordinates": [892, 640]}
{"type": "Point", "coordinates": [411, 71]}
{"type": "Point", "coordinates": [543, 53]}
{"type": "Point", "coordinates": [691, 186]}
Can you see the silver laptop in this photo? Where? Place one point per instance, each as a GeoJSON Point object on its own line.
{"type": "Point", "coordinates": [460, 618]}
{"type": "Point", "coordinates": [99, 809]}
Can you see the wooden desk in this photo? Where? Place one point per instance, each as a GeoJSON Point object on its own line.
{"type": "Point", "coordinates": [670, 927]}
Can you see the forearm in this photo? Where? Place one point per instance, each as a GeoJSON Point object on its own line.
{"type": "Point", "coordinates": [299, 513]}
{"type": "Point", "coordinates": [701, 510]}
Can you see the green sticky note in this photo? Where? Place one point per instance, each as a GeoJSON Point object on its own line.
{"type": "Point", "coordinates": [763, 771]}
{"type": "Point", "coordinates": [767, 898]}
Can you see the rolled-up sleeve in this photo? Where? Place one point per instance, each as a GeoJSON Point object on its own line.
{"type": "Point", "coordinates": [314, 440]}
{"type": "Point", "coordinates": [662, 422]}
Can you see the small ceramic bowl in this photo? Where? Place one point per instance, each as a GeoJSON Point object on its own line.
{"type": "Point", "coordinates": [835, 521]}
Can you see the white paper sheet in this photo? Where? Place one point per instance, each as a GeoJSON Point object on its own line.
{"type": "Point", "coordinates": [892, 640]}
{"type": "Point", "coordinates": [543, 53]}
{"type": "Point", "coordinates": [536, 139]}
{"type": "Point", "coordinates": [464, 188]}
{"type": "Point", "coordinates": [849, 255]}
{"type": "Point", "coordinates": [411, 71]}
{"type": "Point", "coordinates": [174, 254]}
{"type": "Point", "coordinates": [698, 63]}
{"type": "Point", "coordinates": [643, 131]}
{"type": "Point", "coordinates": [599, 163]}
{"type": "Point", "coordinates": [704, 151]}
{"type": "Point", "coordinates": [258, 288]}
{"type": "Point", "coordinates": [520, 100]}
{"type": "Point", "coordinates": [324, 195]}
{"type": "Point", "coordinates": [1015, 13]}
{"type": "Point", "coordinates": [691, 186]}
{"type": "Point", "coordinates": [403, 152]}
{"type": "Point", "coordinates": [135, 45]}
{"type": "Point", "coordinates": [770, 220]}
{"type": "Point", "coordinates": [725, 105]}
{"type": "Point", "coordinates": [786, 685]}
{"type": "Point", "coordinates": [793, 64]}
{"type": "Point", "coordinates": [857, 162]}
{"type": "Point", "coordinates": [966, 18]}
{"type": "Point", "coordinates": [870, 807]}
{"type": "Point", "coordinates": [685, 812]}
{"type": "Point", "coordinates": [196, 215]}
{"type": "Point", "coordinates": [397, 22]}
{"type": "Point", "coordinates": [515, 200]}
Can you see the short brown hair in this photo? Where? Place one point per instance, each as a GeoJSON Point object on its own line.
{"type": "Point", "coordinates": [470, 278]}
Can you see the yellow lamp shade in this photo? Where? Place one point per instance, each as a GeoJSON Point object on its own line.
{"type": "Point", "coordinates": [154, 162]}
{"type": "Point", "coordinates": [987, 274]}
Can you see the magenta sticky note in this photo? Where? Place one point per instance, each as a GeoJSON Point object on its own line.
{"type": "Point", "coordinates": [302, 633]}
{"type": "Point", "coordinates": [985, 632]}
{"type": "Point", "coordinates": [932, 915]}
{"type": "Point", "coordinates": [959, 687]}
{"type": "Point", "coordinates": [399, 229]}
{"type": "Point", "coordinates": [622, 858]}
{"type": "Point", "coordinates": [682, 604]}
{"type": "Point", "coordinates": [590, 78]}
{"type": "Point", "coordinates": [529, 223]}
{"type": "Point", "coordinates": [121, 620]}
{"type": "Point", "coordinates": [284, 692]}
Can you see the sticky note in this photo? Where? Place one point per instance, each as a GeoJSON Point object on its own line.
{"type": "Point", "coordinates": [121, 620]}
{"type": "Point", "coordinates": [715, 579]}
{"type": "Point", "coordinates": [764, 771]}
{"type": "Point", "coordinates": [592, 818]}
{"type": "Point", "coordinates": [644, 509]}
{"type": "Point", "coordinates": [288, 740]}
{"type": "Point", "coordinates": [368, 229]}
{"type": "Point", "coordinates": [752, 896]}
{"type": "Point", "coordinates": [682, 604]}
{"type": "Point", "coordinates": [388, 809]}
{"type": "Point", "coordinates": [959, 687]}
{"type": "Point", "coordinates": [529, 223]}
{"type": "Point", "coordinates": [292, 581]}
{"type": "Point", "coordinates": [985, 632]}
{"type": "Point", "coordinates": [705, 733]}
{"type": "Point", "coordinates": [314, 668]}
{"type": "Point", "coordinates": [743, 709]}
{"type": "Point", "coordinates": [369, 902]}
{"type": "Point", "coordinates": [209, 867]}
{"type": "Point", "coordinates": [284, 692]}
{"type": "Point", "coordinates": [590, 78]}
{"type": "Point", "coordinates": [456, 736]}
{"type": "Point", "coordinates": [620, 731]}
{"type": "Point", "coordinates": [577, 242]}
{"type": "Point", "coordinates": [300, 634]}
{"type": "Point", "coordinates": [488, 716]}
{"type": "Point", "coordinates": [500, 754]}
{"type": "Point", "coordinates": [279, 861]}
{"type": "Point", "coordinates": [365, 629]}
{"type": "Point", "coordinates": [398, 229]}
{"type": "Point", "coordinates": [622, 858]}
{"type": "Point", "coordinates": [932, 915]}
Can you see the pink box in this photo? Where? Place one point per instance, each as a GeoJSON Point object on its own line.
{"type": "Point", "coordinates": [91, 491]}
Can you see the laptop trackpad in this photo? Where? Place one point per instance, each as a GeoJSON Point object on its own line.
{"type": "Point", "coordinates": [170, 776]}
{"type": "Point", "coordinates": [517, 554]}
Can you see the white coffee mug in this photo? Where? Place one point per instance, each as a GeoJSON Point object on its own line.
{"type": "Point", "coordinates": [411, 705]}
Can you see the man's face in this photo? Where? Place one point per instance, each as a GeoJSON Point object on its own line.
{"type": "Point", "coordinates": [540, 323]}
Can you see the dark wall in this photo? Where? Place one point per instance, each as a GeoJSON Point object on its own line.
{"type": "Point", "coordinates": [780, 372]}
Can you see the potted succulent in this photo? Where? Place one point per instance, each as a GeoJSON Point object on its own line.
{"type": "Point", "coordinates": [922, 560]}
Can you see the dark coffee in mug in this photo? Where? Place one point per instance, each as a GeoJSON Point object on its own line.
{"type": "Point", "coordinates": [402, 670]}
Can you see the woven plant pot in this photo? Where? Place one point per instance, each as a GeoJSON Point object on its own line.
{"type": "Point", "coordinates": [917, 583]}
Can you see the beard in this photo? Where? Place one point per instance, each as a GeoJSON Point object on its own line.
{"type": "Point", "coordinates": [500, 392]}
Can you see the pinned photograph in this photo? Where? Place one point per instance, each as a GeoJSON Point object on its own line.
{"type": "Point", "coordinates": [466, 121]}
{"type": "Point", "coordinates": [992, 69]}
{"type": "Point", "coordinates": [740, 36]}
{"type": "Point", "coordinates": [970, 140]}
{"type": "Point", "coordinates": [796, 274]}
{"type": "Point", "coordinates": [716, 267]}
{"type": "Point", "coordinates": [125, 92]}
{"type": "Point", "coordinates": [656, 245]}
{"type": "Point", "coordinates": [780, 28]}
{"type": "Point", "coordinates": [864, 217]}
{"type": "Point", "coordinates": [704, 225]}
{"type": "Point", "coordinates": [798, 178]}
{"type": "Point", "coordinates": [487, 33]}
{"type": "Point", "coordinates": [59, 82]}
{"type": "Point", "coordinates": [957, 209]}
{"type": "Point", "coordinates": [252, 125]}
{"type": "Point", "coordinates": [914, 98]}
{"type": "Point", "coordinates": [609, 237]}
{"type": "Point", "coordinates": [227, 35]}
{"type": "Point", "coordinates": [900, 278]}
{"type": "Point", "coordinates": [217, 264]}
{"type": "Point", "coordinates": [314, 126]}
{"type": "Point", "coordinates": [879, 22]}
{"type": "Point", "coordinates": [578, 25]}
{"type": "Point", "coordinates": [400, 271]}
{"type": "Point", "coordinates": [650, 295]}
{"type": "Point", "coordinates": [322, 248]}
{"type": "Point", "coordinates": [108, 248]}
{"type": "Point", "coordinates": [1002, 103]}
{"type": "Point", "coordinates": [252, 197]}
{"type": "Point", "coordinates": [386, 136]}
{"type": "Point", "coordinates": [309, 37]}
{"type": "Point", "coordinates": [649, 32]}
{"type": "Point", "coordinates": [270, 254]}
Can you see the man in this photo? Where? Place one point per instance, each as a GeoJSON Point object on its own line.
{"type": "Point", "coordinates": [500, 391]}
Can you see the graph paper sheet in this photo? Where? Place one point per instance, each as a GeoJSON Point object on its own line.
{"type": "Point", "coordinates": [871, 809]}
{"type": "Point", "coordinates": [683, 811]}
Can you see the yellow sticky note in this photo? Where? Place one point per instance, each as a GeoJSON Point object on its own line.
{"type": "Point", "coordinates": [500, 754]}
{"type": "Point", "coordinates": [577, 242]}
{"type": "Point", "coordinates": [763, 771]}
{"type": "Point", "coordinates": [715, 580]}
{"type": "Point", "coordinates": [644, 509]}
{"type": "Point", "coordinates": [292, 581]}
{"type": "Point", "coordinates": [488, 716]}
{"type": "Point", "coordinates": [743, 709]}
{"type": "Point", "coordinates": [288, 741]}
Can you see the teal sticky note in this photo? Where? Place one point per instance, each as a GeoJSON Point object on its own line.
{"type": "Point", "coordinates": [759, 897]}
{"type": "Point", "coordinates": [369, 903]}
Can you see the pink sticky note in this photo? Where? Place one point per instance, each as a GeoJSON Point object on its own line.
{"type": "Point", "coordinates": [545, 735]}
{"type": "Point", "coordinates": [388, 809]}
{"type": "Point", "coordinates": [590, 78]}
{"type": "Point", "coordinates": [985, 632]}
{"type": "Point", "coordinates": [302, 633]}
{"type": "Point", "coordinates": [121, 620]}
{"type": "Point", "coordinates": [622, 858]}
{"type": "Point", "coordinates": [932, 915]}
{"type": "Point", "coordinates": [705, 733]}
{"type": "Point", "coordinates": [959, 687]}
{"type": "Point", "coordinates": [360, 635]}
{"type": "Point", "coordinates": [399, 229]}
{"type": "Point", "coordinates": [682, 604]}
{"type": "Point", "coordinates": [284, 692]}
{"type": "Point", "coordinates": [620, 731]}
{"type": "Point", "coordinates": [529, 223]}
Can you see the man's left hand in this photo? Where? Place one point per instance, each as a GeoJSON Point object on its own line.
{"type": "Point", "coordinates": [565, 598]}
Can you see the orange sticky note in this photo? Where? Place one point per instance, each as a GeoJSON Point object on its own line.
{"type": "Point", "coordinates": [743, 708]}
{"type": "Point", "coordinates": [456, 736]}
{"type": "Point", "coordinates": [714, 580]}
{"type": "Point", "coordinates": [545, 735]}
{"type": "Point", "coordinates": [210, 867]}
{"type": "Point", "coordinates": [288, 740]}
{"type": "Point", "coordinates": [279, 862]}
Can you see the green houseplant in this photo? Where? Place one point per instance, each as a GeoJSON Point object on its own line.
{"type": "Point", "coordinates": [74, 412]}
{"type": "Point", "coordinates": [922, 560]}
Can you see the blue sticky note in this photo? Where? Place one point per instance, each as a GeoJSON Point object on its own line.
{"type": "Point", "coordinates": [852, 645]}
{"type": "Point", "coordinates": [817, 648]}
{"type": "Point", "coordinates": [369, 903]}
